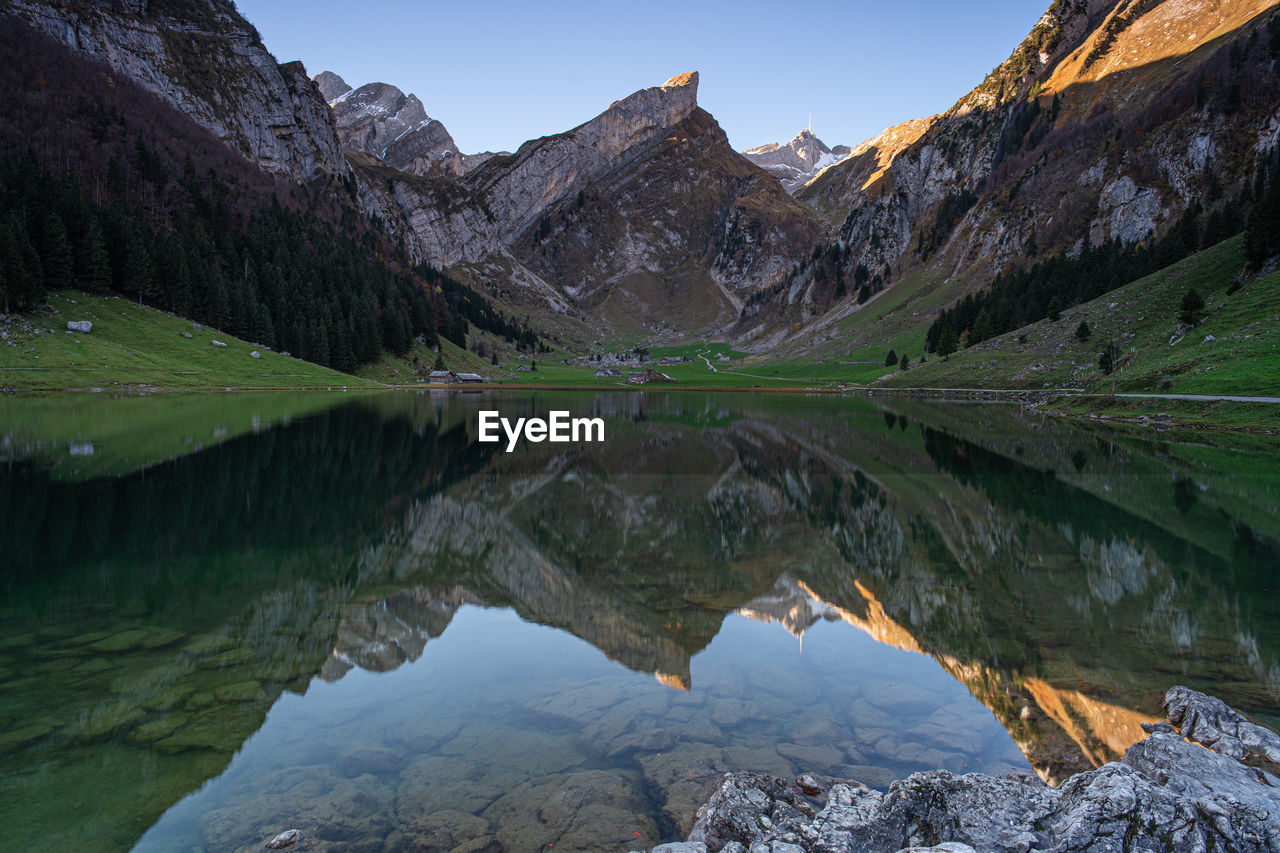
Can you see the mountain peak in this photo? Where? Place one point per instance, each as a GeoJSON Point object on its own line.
{"type": "Point", "coordinates": [331, 85]}
{"type": "Point", "coordinates": [689, 78]}
{"type": "Point", "coordinates": [797, 162]}
{"type": "Point", "coordinates": [648, 110]}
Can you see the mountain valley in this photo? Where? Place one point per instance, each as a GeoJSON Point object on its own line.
{"type": "Point", "coordinates": [1116, 123]}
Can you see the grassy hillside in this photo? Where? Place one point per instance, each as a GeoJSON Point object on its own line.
{"type": "Point", "coordinates": [132, 345]}
{"type": "Point", "coordinates": [1235, 350]}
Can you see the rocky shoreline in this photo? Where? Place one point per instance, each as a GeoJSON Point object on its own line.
{"type": "Point", "coordinates": [1195, 783]}
{"type": "Point", "coordinates": [1204, 780]}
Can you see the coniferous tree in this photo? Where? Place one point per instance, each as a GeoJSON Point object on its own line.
{"type": "Point", "coordinates": [1109, 358]}
{"type": "Point", "coordinates": [23, 277]}
{"type": "Point", "coordinates": [137, 275]}
{"type": "Point", "coordinates": [1190, 307]}
{"type": "Point", "coordinates": [947, 341]}
{"type": "Point", "coordinates": [95, 270]}
{"type": "Point", "coordinates": [55, 253]}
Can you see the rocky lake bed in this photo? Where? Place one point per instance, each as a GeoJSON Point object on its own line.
{"type": "Point", "coordinates": [1199, 785]}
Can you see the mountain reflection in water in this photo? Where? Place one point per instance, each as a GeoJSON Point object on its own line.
{"type": "Point", "coordinates": [337, 619]}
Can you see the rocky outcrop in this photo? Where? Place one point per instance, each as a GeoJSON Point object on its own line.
{"type": "Point", "coordinates": [798, 161]}
{"type": "Point", "coordinates": [1168, 793]}
{"type": "Point", "coordinates": [382, 121]}
{"type": "Point", "coordinates": [834, 192]}
{"type": "Point", "coordinates": [554, 167]}
{"type": "Point", "coordinates": [591, 211]}
{"type": "Point", "coordinates": [1210, 721]}
{"type": "Point", "coordinates": [209, 62]}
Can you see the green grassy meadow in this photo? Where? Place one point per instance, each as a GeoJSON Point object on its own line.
{"type": "Point", "coordinates": [132, 346]}
{"type": "Point", "coordinates": [1235, 350]}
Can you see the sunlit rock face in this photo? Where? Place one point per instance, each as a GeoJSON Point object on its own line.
{"type": "Point", "coordinates": [1029, 162]}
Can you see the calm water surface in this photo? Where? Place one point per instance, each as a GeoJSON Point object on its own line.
{"type": "Point", "coordinates": [228, 616]}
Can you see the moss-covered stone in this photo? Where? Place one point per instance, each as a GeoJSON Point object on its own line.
{"type": "Point", "coordinates": [50, 654]}
{"type": "Point", "coordinates": [86, 639]}
{"type": "Point", "coordinates": [22, 736]}
{"type": "Point", "coordinates": [57, 664]}
{"type": "Point", "coordinates": [121, 642]}
{"type": "Point", "coordinates": [21, 685]}
{"type": "Point", "coordinates": [241, 691]}
{"type": "Point", "coordinates": [156, 729]}
{"type": "Point", "coordinates": [158, 638]}
{"type": "Point", "coordinates": [167, 698]}
{"type": "Point", "coordinates": [17, 641]}
{"type": "Point", "coordinates": [228, 658]}
{"type": "Point", "coordinates": [104, 720]}
{"type": "Point", "coordinates": [223, 728]}
{"type": "Point", "coordinates": [93, 665]}
{"type": "Point", "coordinates": [200, 699]}
{"type": "Point", "coordinates": [208, 644]}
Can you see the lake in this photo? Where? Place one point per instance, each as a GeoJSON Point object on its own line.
{"type": "Point", "coordinates": [225, 616]}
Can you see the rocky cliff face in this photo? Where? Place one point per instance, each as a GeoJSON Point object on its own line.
{"type": "Point", "coordinates": [207, 61]}
{"type": "Point", "coordinates": [798, 161]}
{"type": "Point", "coordinates": [1107, 122]}
{"type": "Point", "coordinates": [644, 210]}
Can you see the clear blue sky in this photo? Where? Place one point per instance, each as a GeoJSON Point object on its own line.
{"type": "Point", "coordinates": [498, 73]}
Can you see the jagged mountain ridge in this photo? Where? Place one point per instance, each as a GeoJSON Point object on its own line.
{"type": "Point", "coordinates": [380, 120]}
{"type": "Point", "coordinates": [647, 198]}
{"type": "Point", "coordinates": [650, 257]}
{"type": "Point", "coordinates": [797, 162]}
{"type": "Point", "coordinates": [1107, 122]}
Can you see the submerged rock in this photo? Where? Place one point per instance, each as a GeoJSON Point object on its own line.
{"type": "Point", "coordinates": [444, 831]}
{"type": "Point", "coordinates": [1168, 793]}
{"type": "Point", "coordinates": [375, 762]}
{"type": "Point", "coordinates": [588, 811]}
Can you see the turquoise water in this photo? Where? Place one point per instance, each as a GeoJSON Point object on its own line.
{"type": "Point", "coordinates": [358, 621]}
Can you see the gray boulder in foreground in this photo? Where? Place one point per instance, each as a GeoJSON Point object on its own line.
{"type": "Point", "coordinates": [1210, 721]}
{"type": "Point", "coordinates": [1166, 794]}
{"type": "Point", "coordinates": [79, 326]}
